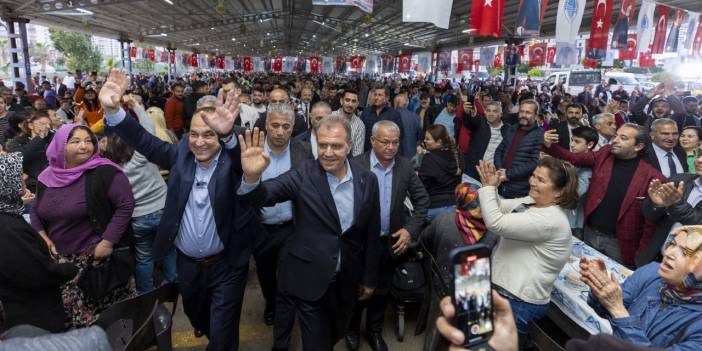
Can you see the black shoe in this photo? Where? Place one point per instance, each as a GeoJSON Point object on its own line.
{"type": "Point", "coordinates": [199, 333]}
{"type": "Point", "coordinates": [269, 317]}
{"type": "Point", "coordinates": [353, 341]}
{"type": "Point", "coordinates": [376, 342]}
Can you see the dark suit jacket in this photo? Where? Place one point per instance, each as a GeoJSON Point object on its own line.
{"type": "Point", "coordinates": [308, 260]}
{"type": "Point", "coordinates": [652, 159]}
{"type": "Point", "coordinates": [479, 140]}
{"type": "Point", "coordinates": [305, 136]}
{"type": "Point", "coordinates": [405, 182]}
{"type": "Point", "coordinates": [665, 217]}
{"type": "Point", "coordinates": [679, 114]}
{"type": "Point", "coordinates": [563, 135]}
{"type": "Point", "coordinates": [633, 230]}
{"type": "Point", "coordinates": [237, 225]}
{"type": "Point", "coordinates": [298, 128]}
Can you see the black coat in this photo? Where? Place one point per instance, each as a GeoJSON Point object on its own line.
{"type": "Point", "coordinates": [665, 217]}
{"type": "Point", "coordinates": [524, 162]}
{"type": "Point", "coordinates": [479, 140]}
{"type": "Point", "coordinates": [30, 280]}
{"type": "Point", "coordinates": [438, 173]}
{"type": "Point", "coordinates": [679, 115]}
{"type": "Point", "coordinates": [652, 159]}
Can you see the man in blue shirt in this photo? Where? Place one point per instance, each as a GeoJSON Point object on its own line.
{"type": "Point", "coordinates": [211, 227]}
{"type": "Point", "coordinates": [447, 116]}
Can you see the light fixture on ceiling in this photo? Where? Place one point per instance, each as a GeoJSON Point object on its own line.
{"type": "Point", "coordinates": [233, 39]}
{"type": "Point", "coordinates": [212, 28]}
{"type": "Point", "coordinates": [468, 30]}
{"type": "Point", "coordinates": [169, 2]}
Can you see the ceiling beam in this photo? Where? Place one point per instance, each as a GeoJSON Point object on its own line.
{"type": "Point", "coordinates": [64, 5]}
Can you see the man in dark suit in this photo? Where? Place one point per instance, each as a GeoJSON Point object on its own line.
{"type": "Point", "coordinates": [487, 133]}
{"type": "Point", "coordinates": [332, 257]}
{"type": "Point", "coordinates": [212, 228]}
{"type": "Point", "coordinates": [662, 104]}
{"type": "Point", "coordinates": [396, 181]}
{"type": "Point", "coordinates": [277, 220]}
{"type": "Point", "coordinates": [574, 119]}
{"type": "Point", "coordinates": [663, 152]}
{"type": "Point", "coordinates": [670, 205]}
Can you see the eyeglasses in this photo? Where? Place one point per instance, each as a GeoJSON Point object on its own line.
{"type": "Point", "coordinates": [387, 143]}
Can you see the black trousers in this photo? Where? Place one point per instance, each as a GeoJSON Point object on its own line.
{"type": "Point", "coordinates": [212, 297]}
{"type": "Point", "coordinates": [266, 254]}
{"type": "Point", "coordinates": [375, 306]}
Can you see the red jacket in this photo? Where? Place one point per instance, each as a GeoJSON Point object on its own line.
{"type": "Point", "coordinates": [633, 230]}
{"type": "Point", "coordinates": [173, 113]}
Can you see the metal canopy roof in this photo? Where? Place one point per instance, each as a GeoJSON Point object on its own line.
{"type": "Point", "coordinates": [272, 27]}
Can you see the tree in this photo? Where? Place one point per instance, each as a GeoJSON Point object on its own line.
{"type": "Point", "coordinates": [110, 63]}
{"type": "Point", "coordinates": [535, 72]}
{"type": "Point", "coordinates": [523, 68]}
{"type": "Point", "coordinates": [40, 54]}
{"type": "Point", "coordinates": [78, 50]}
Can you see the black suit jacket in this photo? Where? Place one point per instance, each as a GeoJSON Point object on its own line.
{"type": "Point", "coordinates": [667, 216]}
{"type": "Point", "coordinates": [237, 225]}
{"type": "Point", "coordinates": [652, 159]}
{"type": "Point", "coordinates": [299, 127]}
{"type": "Point", "coordinates": [405, 182]}
{"type": "Point", "coordinates": [479, 140]}
{"type": "Point", "coordinates": [563, 135]}
{"type": "Point", "coordinates": [305, 136]}
{"type": "Point", "coordinates": [309, 259]}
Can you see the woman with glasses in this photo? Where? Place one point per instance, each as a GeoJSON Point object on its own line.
{"type": "Point", "coordinates": [660, 305]}
{"type": "Point", "coordinates": [83, 207]}
{"type": "Point", "coordinates": [440, 170]}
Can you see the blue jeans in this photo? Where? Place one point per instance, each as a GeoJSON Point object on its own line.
{"type": "Point", "coordinates": [524, 313]}
{"type": "Point", "coordinates": [433, 212]}
{"type": "Point", "coordinates": [144, 228]}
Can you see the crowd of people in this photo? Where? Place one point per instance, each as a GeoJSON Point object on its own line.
{"type": "Point", "coordinates": [327, 181]}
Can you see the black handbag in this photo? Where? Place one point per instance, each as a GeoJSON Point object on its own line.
{"type": "Point", "coordinates": [114, 272]}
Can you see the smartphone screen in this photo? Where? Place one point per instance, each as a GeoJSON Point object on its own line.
{"type": "Point", "coordinates": [472, 295]}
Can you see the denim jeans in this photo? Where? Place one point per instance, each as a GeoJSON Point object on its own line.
{"type": "Point", "coordinates": [144, 228]}
{"type": "Point", "coordinates": [524, 313]}
{"type": "Point", "coordinates": [433, 212]}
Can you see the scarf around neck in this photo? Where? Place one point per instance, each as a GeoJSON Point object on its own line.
{"type": "Point", "coordinates": [469, 221]}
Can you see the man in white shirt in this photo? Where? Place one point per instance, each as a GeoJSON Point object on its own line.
{"type": "Point", "coordinates": [257, 97]}
{"type": "Point", "coordinates": [349, 105]}
{"type": "Point", "coordinates": [70, 81]}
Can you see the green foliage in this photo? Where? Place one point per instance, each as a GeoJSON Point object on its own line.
{"type": "Point", "coordinates": [496, 71]}
{"type": "Point", "coordinates": [535, 72]}
{"type": "Point", "coordinates": [523, 68]}
{"type": "Point", "coordinates": [77, 49]}
{"type": "Point", "coordinates": [143, 66]}
{"type": "Point", "coordinates": [111, 63]}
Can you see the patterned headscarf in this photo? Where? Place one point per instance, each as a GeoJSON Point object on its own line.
{"type": "Point", "coordinates": [690, 290]}
{"type": "Point", "coordinates": [469, 221]}
{"type": "Point", "coordinates": [11, 183]}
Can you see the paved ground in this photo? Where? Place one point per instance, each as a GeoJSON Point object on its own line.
{"type": "Point", "coordinates": [256, 336]}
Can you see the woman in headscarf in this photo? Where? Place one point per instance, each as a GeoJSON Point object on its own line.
{"type": "Point", "coordinates": [30, 279]}
{"type": "Point", "coordinates": [660, 305]}
{"type": "Point", "coordinates": [83, 208]}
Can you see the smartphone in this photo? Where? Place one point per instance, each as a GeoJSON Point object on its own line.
{"type": "Point", "coordinates": [472, 293]}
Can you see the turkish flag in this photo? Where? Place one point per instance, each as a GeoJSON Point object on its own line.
{"type": "Point", "coordinates": [314, 64]}
{"type": "Point", "coordinates": [550, 54]}
{"type": "Point", "coordinates": [589, 63]}
{"type": "Point", "coordinates": [133, 52]}
{"type": "Point", "coordinates": [661, 29]}
{"type": "Point", "coordinates": [163, 57]}
{"type": "Point", "coordinates": [193, 60]}
{"type": "Point", "coordinates": [152, 55]}
{"type": "Point", "coordinates": [465, 60]}
{"type": "Point", "coordinates": [497, 61]}
{"type": "Point", "coordinates": [521, 52]}
{"type": "Point", "coordinates": [646, 59]}
{"type": "Point", "coordinates": [405, 62]}
{"type": "Point", "coordinates": [697, 44]}
{"type": "Point", "coordinates": [630, 52]}
{"type": "Point", "coordinates": [248, 64]}
{"type": "Point", "coordinates": [357, 62]}
{"type": "Point", "coordinates": [486, 17]}
{"type": "Point", "coordinates": [537, 55]}
{"type": "Point", "coordinates": [599, 29]}
{"type": "Point", "coordinates": [219, 61]}
{"type": "Point", "coordinates": [278, 64]}
{"type": "Point", "coordinates": [171, 57]}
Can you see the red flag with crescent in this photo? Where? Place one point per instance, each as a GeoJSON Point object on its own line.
{"type": "Point", "coordinates": [278, 64]}
{"type": "Point", "coordinates": [629, 53]}
{"type": "Point", "coordinates": [697, 43]}
{"type": "Point", "coordinates": [248, 64]}
{"type": "Point", "coordinates": [486, 17]}
{"type": "Point", "coordinates": [550, 54]}
{"type": "Point", "coordinates": [497, 61]}
{"type": "Point", "coordinates": [465, 60]}
{"type": "Point", "coordinates": [171, 57]}
{"type": "Point", "coordinates": [646, 59]}
{"type": "Point", "coordinates": [661, 29]}
{"type": "Point", "coordinates": [219, 61]}
{"type": "Point", "coordinates": [537, 55]}
{"type": "Point", "coordinates": [405, 62]}
{"type": "Point", "coordinates": [193, 60]}
{"type": "Point", "coordinates": [314, 64]}
{"type": "Point", "coordinates": [599, 29]}
{"type": "Point", "coordinates": [152, 55]}
{"type": "Point", "coordinates": [133, 52]}
{"type": "Point", "coordinates": [356, 62]}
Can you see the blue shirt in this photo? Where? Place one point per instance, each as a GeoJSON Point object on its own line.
{"type": "Point", "coordinates": [197, 234]}
{"type": "Point", "coordinates": [384, 176]}
{"type": "Point", "coordinates": [281, 212]}
{"type": "Point", "coordinates": [446, 119]}
{"type": "Point", "coordinates": [650, 323]}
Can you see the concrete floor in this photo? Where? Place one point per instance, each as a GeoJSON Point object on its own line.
{"type": "Point", "coordinates": [256, 336]}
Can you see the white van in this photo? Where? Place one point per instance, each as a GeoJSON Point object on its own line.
{"type": "Point", "coordinates": [574, 81]}
{"type": "Point", "coordinates": [627, 80]}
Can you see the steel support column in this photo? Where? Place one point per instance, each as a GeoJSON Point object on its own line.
{"type": "Point", "coordinates": [172, 63]}
{"type": "Point", "coordinates": [125, 55]}
{"type": "Point", "coordinates": [16, 64]}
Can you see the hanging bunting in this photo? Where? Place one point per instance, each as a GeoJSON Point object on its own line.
{"type": "Point", "coordinates": [340, 66]}
{"type": "Point", "coordinates": [171, 57]}
{"type": "Point", "coordinates": [388, 63]}
{"type": "Point", "coordinates": [133, 52]}
{"type": "Point", "coordinates": [465, 60]}
{"type": "Point", "coordinates": [537, 55]}
{"type": "Point", "coordinates": [692, 23]}
{"type": "Point", "coordinates": [530, 16]}
{"type": "Point", "coordinates": [671, 44]}
{"type": "Point", "coordinates": [437, 12]}
{"type": "Point", "coordinates": [327, 65]}
{"type": "Point", "coordinates": [364, 5]}
{"type": "Point", "coordinates": [646, 60]}
{"type": "Point", "coordinates": [661, 29]}
{"type": "Point", "coordinates": [476, 65]}
{"type": "Point", "coordinates": [371, 65]}
{"type": "Point", "coordinates": [568, 20]}
{"type": "Point", "coordinates": [219, 61]}
{"type": "Point", "coordinates": [405, 63]}
{"type": "Point", "coordinates": [278, 64]}
{"type": "Point", "coordinates": [314, 64]}
{"type": "Point", "coordinates": [630, 52]}
{"type": "Point", "coordinates": [550, 54]}
{"type": "Point", "coordinates": [248, 64]}
{"type": "Point", "coordinates": [267, 64]}
{"type": "Point", "coordinates": [627, 10]}
{"type": "Point", "coordinates": [424, 61]}
{"type": "Point", "coordinates": [486, 17]}
{"type": "Point", "coordinates": [645, 28]}
{"type": "Point", "coordinates": [444, 64]}
{"type": "Point", "coordinates": [487, 55]}
{"type": "Point", "coordinates": [697, 43]}
{"type": "Point", "coordinates": [357, 63]}
{"type": "Point", "coordinates": [193, 60]}
{"type": "Point", "coordinates": [152, 55]}
{"type": "Point", "coordinates": [599, 30]}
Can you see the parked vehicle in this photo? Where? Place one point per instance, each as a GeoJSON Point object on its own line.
{"type": "Point", "coordinates": [574, 81]}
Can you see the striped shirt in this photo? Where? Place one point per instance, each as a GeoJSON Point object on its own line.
{"type": "Point", "coordinates": [358, 132]}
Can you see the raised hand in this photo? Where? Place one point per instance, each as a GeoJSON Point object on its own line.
{"type": "Point", "coordinates": [254, 159]}
{"type": "Point", "coordinates": [130, 100]}
{"type": "Point", "coordinates": [665, 195]}
{"type": "Point", "coordinates": [226, 113]}
{"type": "Point", "coordinates": [112, 91]}
{"type": "Point", "coordinates": [655, 194]}
{"type": "Point", "coordinates": [488, 173]}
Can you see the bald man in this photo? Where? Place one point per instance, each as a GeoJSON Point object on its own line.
{"type": "Point", "coordinates": [281, 96]}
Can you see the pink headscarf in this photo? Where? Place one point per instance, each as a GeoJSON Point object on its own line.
{"type": "Point", "coordinates": [55, 175]}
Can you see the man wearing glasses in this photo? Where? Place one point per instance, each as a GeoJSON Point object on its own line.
{"type": "Point", "coordinates": [396, 180]}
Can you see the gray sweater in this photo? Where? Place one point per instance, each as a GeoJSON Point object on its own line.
{"type": "Point", "coordinates": [148, 186]}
